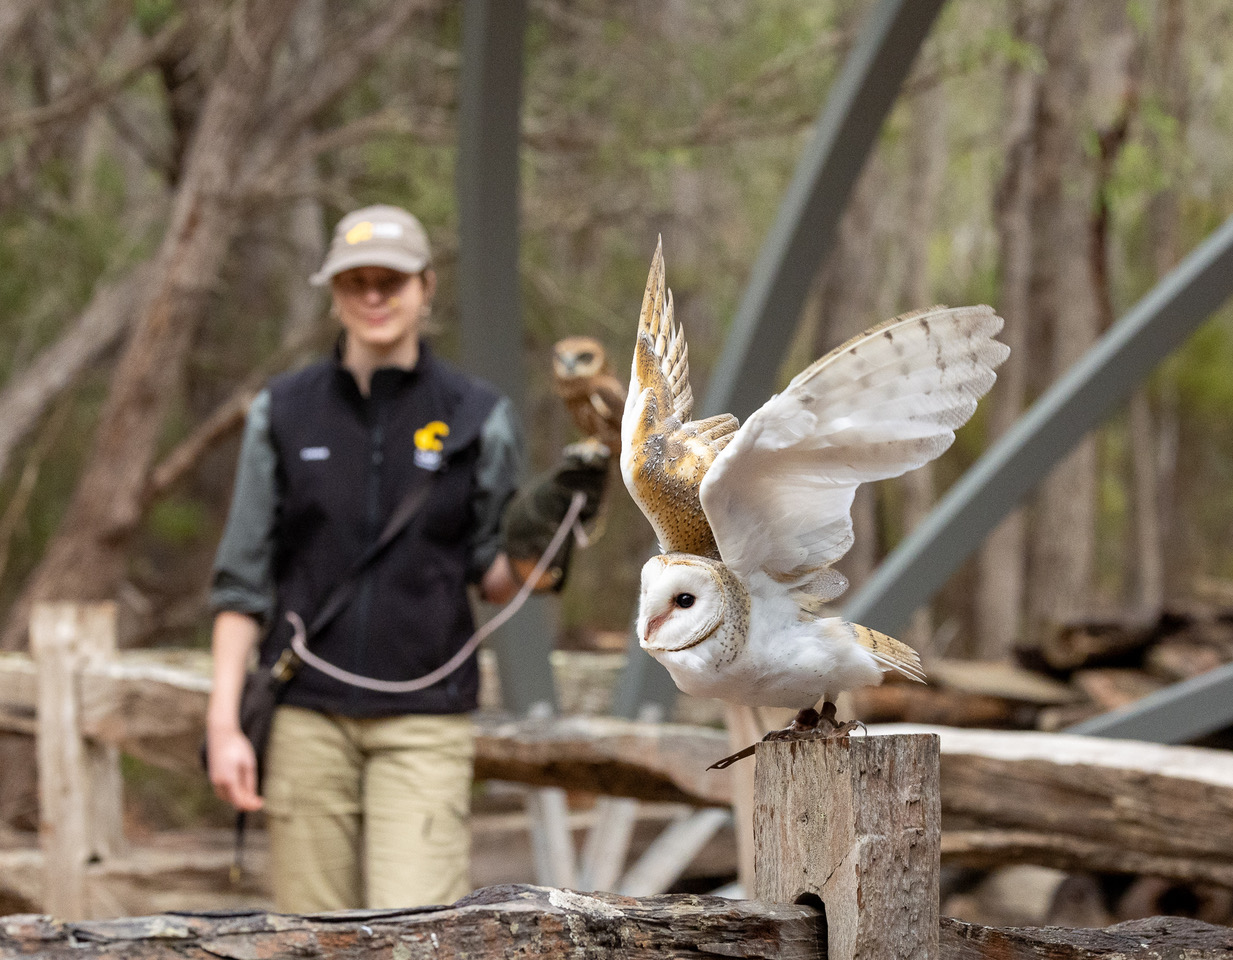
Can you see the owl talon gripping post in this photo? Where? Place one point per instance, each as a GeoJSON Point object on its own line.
{"type": "Point", "coordinates": [750, 518]}
{"type": "Point", "coordinates": [808, 724]}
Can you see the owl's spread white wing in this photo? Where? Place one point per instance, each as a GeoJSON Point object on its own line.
{"type": "Point", "coordinates": [779, 496]}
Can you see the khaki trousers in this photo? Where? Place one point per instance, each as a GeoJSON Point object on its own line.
{"type": "Point", "coordinates": [368, 812]}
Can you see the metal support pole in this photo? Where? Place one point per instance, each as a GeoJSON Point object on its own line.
{"type": "Point", "coordinates": [490, 99]}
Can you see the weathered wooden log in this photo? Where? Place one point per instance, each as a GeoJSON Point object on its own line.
{"type": "Point", "coordinates": [999, 679]}
{"type": "Point", "coordinates": [536, 921]}
{"type": "Point", "coordinates": [1084, 802]}
{"type": "Point", "coordinates": [648, 761]}
{"type": "Point", "coordinates": [1113, 687]}
{"type": "Point", "coordinates": [1156, 938]}
{"type": "Point", "coordinates": [854, 823]}
{"type": "Point", "coordinates": [966, 693]}
{"type": "Point", "coordinates": [144, 879]}
{"type": "Point", "coordinates": [1180, 658]}
{"type": "Point", "coordinates": [494, 922]}
{"type": "Point", "coordinates": [901, 703]}
{"type": "Point", "coordinates": [1096, 642]}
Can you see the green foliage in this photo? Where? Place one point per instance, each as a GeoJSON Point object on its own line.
{"type": "Point", "coordinates": [152, 15]}
{"type": "Point", "coordinates": [178, 522]}
{"type": "Point", "coordinates": [1014, 51]}
{"type": "Point", "coordinates": [1199, 371]}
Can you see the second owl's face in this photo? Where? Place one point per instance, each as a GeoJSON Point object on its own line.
{"type": "Point", "coordinates": [683, 602]}
{"type": "Point", "coordinates": [575, 357]}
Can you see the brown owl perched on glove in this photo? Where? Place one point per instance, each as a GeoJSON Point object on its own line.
{"type": "Point", "coordinates": [593, 395]}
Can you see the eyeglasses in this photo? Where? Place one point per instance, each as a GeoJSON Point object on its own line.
{"type": "Point", "coordinates": [357, 285]}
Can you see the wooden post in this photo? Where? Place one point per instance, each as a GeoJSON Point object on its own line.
{"type": "Point", "coordinates": [855, 823]}
{"type": "Point", "coordinates": [79, 783]}
{"type": "Point", "coordinates": [96, 645]}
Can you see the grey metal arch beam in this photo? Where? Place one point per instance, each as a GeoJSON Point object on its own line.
{"type": "Point", "coordinates": [804, 227]}
{"type": "Point", "coordinates": [489, 120]}
{"type": "Point", "coordinates": [1082, 398]}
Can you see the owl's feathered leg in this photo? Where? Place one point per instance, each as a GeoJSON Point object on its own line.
{"type": "Point", "coordinates": [808, 724]}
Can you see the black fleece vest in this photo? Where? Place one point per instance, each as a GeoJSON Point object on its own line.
{"type": "Point", "coordinates": [345, 461]}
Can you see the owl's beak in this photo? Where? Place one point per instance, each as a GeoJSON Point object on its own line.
{"type": "Point", "coordinates": [652, 625]}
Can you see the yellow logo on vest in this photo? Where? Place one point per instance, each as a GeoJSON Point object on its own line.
{"type": "Point", "coordinates": [428, 445]}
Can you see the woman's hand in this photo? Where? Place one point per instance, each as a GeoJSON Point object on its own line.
{"type": "Point", "coordinates": [232, 762]}
{"type": "Point", "coordinates": [233, 768]}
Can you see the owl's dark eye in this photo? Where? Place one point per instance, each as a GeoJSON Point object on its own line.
{"type": "Point", "coordinates": [586, 356]}
{"type": "Point", "coordinates": [684, 600]}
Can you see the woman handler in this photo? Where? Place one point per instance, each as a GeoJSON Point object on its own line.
{"type": "Point", "coordinates": [365, 793]}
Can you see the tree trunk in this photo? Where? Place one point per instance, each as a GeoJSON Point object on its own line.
{"type": "Point", "coordinates": [1154, 473]}
{"type": "Point", "coordinates": [998, 606]}
{"type": "Point", "coordinates": [1063, 300]}
{"type": "Point", "coordinates": [85, 559]}
{"type": "Point", "coordinates": [306, 227]}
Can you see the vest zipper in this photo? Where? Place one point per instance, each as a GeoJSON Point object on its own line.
{"type": "Point", "coordinates": [376, 458]}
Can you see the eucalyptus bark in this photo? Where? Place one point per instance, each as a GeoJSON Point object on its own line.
{"type": "Point", "coordinates": [306, 218]}
{"type": "Point", "coordinates": [1001, 571]}
{"type": "Point", "coordinates": [1152, 430]}
{"type": "Point", "coordinates": [1063, 303]}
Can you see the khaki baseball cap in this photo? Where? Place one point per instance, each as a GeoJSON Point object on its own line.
{"type": "Point", "coordinates": [377, 236]}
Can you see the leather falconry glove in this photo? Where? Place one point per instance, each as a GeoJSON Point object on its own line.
{"type": "Point", "coordinates": [537, 509]}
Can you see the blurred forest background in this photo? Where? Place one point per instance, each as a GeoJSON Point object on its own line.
{"type": "Point", "coordinates": [169, 173]}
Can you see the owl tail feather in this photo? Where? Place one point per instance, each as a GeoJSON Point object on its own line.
{"type": "Point", "coordinates": [890, 653]}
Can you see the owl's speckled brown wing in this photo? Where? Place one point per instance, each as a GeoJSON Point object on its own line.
{"type": "Point", "coordinates": [665, 455]}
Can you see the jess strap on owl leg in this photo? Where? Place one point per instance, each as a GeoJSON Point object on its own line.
{"type": "Point", "coordinates": [536, 511]}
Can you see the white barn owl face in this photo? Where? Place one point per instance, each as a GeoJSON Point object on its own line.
{"type": "Point", "coordinates": [685, 600]}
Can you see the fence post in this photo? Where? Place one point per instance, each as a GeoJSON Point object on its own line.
{"type": "Point", "coordinates": [80, 792]}
{"type": "Point", "coordinates": [855, 823]}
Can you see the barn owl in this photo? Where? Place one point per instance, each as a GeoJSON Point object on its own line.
{"type": "Point", "coordinates": [592, 393]}
{"type": "Point", "coordinates": [750, 518]}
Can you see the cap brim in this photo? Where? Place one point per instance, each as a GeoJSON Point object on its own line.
{"type": "Point", "coordinates": [350, 259]}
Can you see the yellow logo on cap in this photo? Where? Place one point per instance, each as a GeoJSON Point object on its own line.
{"type": "Point", "coordinates": [428, 437]}
{"type": "Point", "coordinates": [359, 233]}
